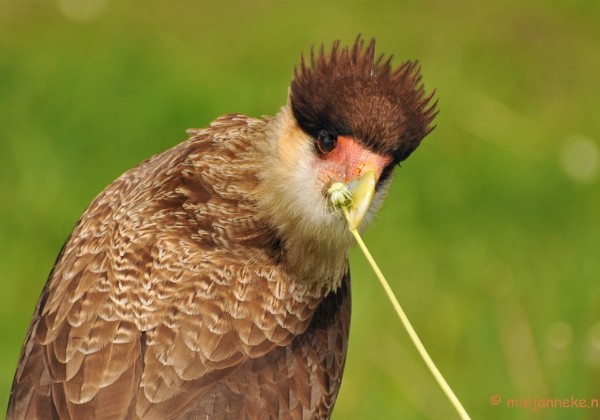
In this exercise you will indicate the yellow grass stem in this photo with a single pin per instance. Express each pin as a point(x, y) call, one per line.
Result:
point(409, 328)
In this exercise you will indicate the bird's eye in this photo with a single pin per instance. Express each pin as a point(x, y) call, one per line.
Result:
point(326, 142)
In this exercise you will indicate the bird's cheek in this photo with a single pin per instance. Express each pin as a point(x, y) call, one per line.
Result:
point(331, 170)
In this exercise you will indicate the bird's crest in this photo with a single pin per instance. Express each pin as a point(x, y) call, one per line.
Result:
point(350, 91)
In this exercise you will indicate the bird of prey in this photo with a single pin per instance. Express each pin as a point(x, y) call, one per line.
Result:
point(211, 281)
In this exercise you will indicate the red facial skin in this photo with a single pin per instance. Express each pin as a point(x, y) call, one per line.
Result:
point(350, 160)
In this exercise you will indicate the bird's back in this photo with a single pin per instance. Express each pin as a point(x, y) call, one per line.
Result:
point(171, 299)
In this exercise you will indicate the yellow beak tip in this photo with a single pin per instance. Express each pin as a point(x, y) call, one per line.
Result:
point(363, 191)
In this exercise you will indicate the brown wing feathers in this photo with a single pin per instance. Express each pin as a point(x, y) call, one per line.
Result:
point(147, 314)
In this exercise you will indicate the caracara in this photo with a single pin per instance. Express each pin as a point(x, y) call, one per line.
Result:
point(212, 281)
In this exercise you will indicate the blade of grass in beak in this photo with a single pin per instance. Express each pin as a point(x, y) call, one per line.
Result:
point(408, 326)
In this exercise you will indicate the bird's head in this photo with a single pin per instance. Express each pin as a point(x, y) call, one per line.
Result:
point(352, 118)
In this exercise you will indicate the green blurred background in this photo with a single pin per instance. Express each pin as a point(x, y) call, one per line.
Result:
point(491, 233)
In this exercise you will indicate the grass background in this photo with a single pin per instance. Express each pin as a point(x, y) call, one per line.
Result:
point(490, 236)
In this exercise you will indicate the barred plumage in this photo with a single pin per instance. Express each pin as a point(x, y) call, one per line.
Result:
point(210, 281)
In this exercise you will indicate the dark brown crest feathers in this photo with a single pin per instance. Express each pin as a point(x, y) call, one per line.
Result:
point(350, 91)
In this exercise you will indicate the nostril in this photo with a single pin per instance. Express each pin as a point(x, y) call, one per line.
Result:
point(360, 168)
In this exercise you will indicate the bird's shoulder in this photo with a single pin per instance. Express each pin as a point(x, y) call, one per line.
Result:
point(168, 278)
point(230, 122)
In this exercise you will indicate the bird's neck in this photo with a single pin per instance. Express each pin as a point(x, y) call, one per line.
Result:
point(314, 242)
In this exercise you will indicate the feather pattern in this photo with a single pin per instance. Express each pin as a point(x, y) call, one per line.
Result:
point(169, 301)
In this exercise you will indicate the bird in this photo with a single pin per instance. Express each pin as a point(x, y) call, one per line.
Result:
point(212, 280)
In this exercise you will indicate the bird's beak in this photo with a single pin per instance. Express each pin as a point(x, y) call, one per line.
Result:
point(363, 169)
point(363, 191)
